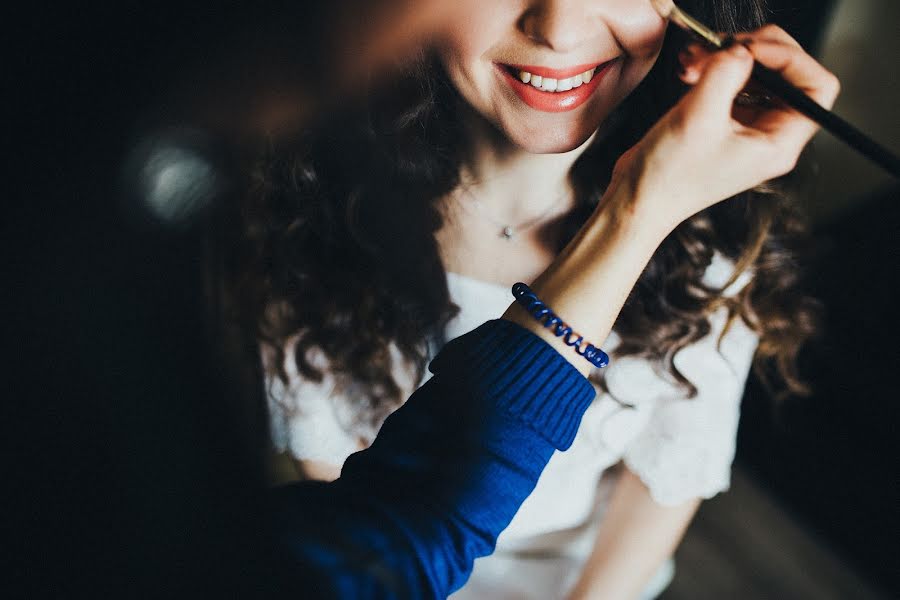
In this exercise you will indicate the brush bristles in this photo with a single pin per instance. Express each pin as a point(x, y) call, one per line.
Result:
point(663, 7)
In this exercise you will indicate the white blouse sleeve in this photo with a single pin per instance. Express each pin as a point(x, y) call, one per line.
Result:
point(316, 420)
point(304, 417)
point(686, 448)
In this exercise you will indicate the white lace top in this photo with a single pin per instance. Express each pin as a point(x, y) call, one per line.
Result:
point(680, 448)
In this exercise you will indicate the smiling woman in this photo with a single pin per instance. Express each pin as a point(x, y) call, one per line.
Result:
point(375, 239)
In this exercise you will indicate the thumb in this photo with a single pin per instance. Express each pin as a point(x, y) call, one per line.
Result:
point(725, 75)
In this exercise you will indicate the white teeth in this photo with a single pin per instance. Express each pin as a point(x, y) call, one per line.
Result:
point(548, 84)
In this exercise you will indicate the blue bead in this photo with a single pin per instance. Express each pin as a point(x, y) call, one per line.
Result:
point(542, 313)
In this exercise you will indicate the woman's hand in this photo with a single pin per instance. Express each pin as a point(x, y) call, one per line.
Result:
point(707, 148)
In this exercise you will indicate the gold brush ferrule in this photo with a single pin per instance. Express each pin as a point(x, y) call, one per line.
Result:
point(698, 29)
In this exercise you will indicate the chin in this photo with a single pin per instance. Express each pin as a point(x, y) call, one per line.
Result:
point(559, 142)
point(549, 133)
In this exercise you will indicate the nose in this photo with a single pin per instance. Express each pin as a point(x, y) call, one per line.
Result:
point(561, 25)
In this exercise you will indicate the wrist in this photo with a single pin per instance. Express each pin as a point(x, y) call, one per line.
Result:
point(628, 223)
point(587, 284)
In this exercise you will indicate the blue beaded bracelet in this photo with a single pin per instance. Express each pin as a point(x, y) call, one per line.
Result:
point(542, 313)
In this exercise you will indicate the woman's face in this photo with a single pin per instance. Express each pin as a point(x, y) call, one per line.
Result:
point(548, 72)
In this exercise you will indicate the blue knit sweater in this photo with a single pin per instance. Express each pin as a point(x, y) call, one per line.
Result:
point(446, 474)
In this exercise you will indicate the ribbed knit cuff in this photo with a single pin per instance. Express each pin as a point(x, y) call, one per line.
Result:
point(509, 366)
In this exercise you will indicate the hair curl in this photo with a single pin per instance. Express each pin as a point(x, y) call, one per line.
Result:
point(340, 254)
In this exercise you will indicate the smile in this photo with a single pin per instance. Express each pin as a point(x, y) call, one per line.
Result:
point(554, 90)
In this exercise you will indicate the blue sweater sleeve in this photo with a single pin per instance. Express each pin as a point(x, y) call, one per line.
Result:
point(446, 474)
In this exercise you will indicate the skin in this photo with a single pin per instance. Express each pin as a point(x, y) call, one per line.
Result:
point(551, 34)
point(521, 157)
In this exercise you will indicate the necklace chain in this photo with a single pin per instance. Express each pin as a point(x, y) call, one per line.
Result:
point(508, 230)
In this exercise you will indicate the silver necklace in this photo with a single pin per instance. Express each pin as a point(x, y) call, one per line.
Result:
point(508, 230)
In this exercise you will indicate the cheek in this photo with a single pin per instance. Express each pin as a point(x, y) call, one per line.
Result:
point(640, 34)
point(465, 44)
point(635, 24)
point(469, 37)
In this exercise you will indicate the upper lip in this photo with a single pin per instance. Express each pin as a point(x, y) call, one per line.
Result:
point(554, 73)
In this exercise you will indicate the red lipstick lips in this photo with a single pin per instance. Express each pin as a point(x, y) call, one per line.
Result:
point(553, 101)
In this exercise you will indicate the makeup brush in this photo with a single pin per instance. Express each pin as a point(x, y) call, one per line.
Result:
point(775, 84)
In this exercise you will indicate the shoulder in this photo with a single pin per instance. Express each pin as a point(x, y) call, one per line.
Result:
point(322, 419)
point(304, 418)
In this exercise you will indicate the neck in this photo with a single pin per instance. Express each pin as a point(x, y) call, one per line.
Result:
point(516, 184)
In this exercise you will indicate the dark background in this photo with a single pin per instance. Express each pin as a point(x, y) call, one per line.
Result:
point(130, 465)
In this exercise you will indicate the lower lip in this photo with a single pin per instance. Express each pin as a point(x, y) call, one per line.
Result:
point(555, 102)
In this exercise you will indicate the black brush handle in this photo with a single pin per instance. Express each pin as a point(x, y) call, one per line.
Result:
point(841, 129)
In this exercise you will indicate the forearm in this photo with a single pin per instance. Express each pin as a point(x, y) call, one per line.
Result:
point(636, 537)
point(445, 475)
point(590, 280)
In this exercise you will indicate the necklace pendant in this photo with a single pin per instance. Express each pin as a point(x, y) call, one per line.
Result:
point(508, 232)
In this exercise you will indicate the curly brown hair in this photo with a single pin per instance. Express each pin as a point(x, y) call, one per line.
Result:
point(339, 251)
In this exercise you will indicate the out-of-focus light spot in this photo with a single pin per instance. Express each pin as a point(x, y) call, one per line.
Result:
point(171, 179)
point(177, 183)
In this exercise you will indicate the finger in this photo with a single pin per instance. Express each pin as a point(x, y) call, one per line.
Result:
point(725, 74)
point(768, 33)
point(694, 56)
point(693, 59)
point(784, 127)
point(798, 68)
point(783, 124)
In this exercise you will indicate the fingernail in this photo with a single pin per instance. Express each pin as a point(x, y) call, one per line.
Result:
point(739, 50)
point(693, 48)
